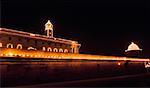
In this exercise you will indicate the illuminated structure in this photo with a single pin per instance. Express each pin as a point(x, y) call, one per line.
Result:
point(8, 52)
point(28, 41)
point(49, 29)
point(133, 50)
point(132, 46)
point(20, 44)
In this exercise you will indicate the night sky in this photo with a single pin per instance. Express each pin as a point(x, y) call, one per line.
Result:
point(101, 26)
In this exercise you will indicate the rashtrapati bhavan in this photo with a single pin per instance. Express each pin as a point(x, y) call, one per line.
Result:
point(28, 41)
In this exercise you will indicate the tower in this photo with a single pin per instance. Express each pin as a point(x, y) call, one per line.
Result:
point(49, 29)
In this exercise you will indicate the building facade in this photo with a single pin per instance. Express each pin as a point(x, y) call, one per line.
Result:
point(28, 41)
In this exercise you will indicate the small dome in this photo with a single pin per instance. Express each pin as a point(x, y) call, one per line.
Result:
point(48, 25)
point(133, 46)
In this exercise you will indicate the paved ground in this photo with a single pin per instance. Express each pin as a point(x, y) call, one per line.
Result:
point(138, 80)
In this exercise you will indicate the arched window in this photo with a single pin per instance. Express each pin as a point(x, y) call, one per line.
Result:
point(9, 45)
point(66, 51)
point(49, 49)
point(44, 49)
point(31, 48)
point(1, 45)
point(60, 50)
point(19, 46)
point(55, 50)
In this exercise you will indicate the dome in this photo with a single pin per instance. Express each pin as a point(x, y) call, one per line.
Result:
point(133, 46)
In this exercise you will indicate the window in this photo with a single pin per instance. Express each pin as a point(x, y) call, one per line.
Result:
point(31, 48)
point(44, 49)
point(35, 42)
point(49, 43)
point(60, 50)
point(1, 44)
point(19, 46)
point(9, 38)
point(55, 50)
point(9, 45)
point(66, 51)
point(28, 40)
point(19, 39)
point(49, 49)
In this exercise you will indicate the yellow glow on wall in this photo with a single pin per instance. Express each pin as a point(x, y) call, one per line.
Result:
point(8, 52)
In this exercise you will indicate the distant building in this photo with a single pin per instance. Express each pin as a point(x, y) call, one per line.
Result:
point(133, 50)
point(28, 41)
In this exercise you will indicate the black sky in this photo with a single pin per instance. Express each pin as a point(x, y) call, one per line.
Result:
point(101, 26)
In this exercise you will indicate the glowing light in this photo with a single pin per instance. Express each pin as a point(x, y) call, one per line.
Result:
point(124, 59)
point(35, 56)
point(147, 64)
point(19, 46)
point(1, 44)
point(32, 34)
point(133, 46)
point(9, 45)
point(60, 50)
point(55, 50)
point(31, 48)
point(66, 51)
point(15, 54)
point(10, 54)
point(31, 55)
point(1, 54)
point(4, 52)
point(23, 55)
point(44, 49)
point(39, 55)
point(119, 63)
point(49, 49)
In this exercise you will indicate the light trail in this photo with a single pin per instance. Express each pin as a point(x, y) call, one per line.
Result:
point(7, 52)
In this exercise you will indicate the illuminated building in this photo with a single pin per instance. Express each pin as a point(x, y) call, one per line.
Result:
point(29, 41)
point(133, 50)
point(27, 45)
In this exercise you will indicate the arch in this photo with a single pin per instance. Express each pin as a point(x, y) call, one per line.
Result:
point(60, 50)
point(19, 46)
point(9, 45)
point(43, 48)
point(1, 45)
point(49, 49)
point(55, 50)
point(31, 48)
point(66, 51)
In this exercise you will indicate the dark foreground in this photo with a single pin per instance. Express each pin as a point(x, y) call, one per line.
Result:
point(94, 73)
point(138, 80)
